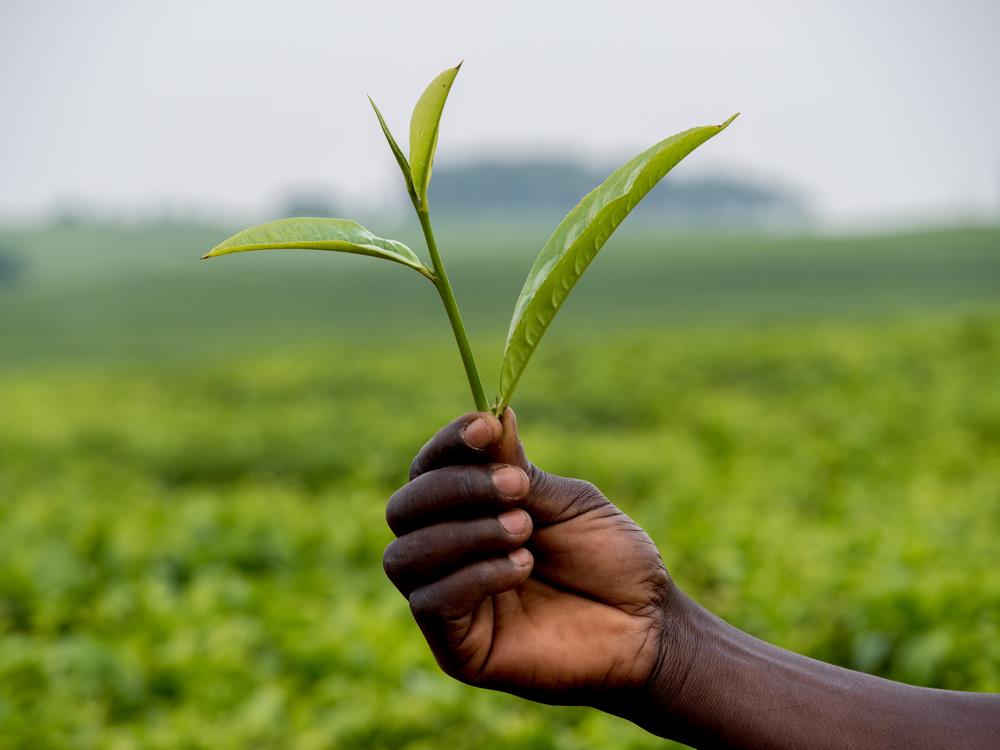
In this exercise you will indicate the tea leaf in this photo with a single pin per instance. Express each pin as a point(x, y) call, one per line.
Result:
point(404, 166)
point(424, 130)
point(576, 241)
point(340, 235)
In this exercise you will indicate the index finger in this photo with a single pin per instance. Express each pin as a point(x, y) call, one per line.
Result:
point(465, 440)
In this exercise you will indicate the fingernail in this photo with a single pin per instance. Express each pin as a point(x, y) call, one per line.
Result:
point(514, 521)
point(520, 557)
point(510, 481)
point(477, 433)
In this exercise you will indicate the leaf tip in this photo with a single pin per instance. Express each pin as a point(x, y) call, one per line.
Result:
point(726, 124)
point(207, 255)
point(459, 66)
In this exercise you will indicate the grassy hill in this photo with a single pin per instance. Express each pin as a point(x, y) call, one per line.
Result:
point(89, 293)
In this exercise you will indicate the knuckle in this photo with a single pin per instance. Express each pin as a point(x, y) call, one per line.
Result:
point(392, 562)
point(416, 467)
point(423, 603)
point(393, 510)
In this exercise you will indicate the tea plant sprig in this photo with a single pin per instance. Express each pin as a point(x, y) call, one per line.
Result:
point(561, 262)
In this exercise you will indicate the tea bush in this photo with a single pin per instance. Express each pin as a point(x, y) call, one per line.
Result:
point(191, 551)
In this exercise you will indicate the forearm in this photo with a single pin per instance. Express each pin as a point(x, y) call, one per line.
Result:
point(719, 687)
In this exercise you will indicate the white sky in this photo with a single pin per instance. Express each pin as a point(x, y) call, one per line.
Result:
point(877, 110)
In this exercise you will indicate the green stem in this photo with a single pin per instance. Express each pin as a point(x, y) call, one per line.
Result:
point(451, 307)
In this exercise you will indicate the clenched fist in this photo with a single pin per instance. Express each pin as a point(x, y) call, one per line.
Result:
point(521, 580)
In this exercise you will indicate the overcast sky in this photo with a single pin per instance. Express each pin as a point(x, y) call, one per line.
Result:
point(875, 109)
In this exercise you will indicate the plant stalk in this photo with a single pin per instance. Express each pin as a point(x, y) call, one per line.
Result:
point(443, 286)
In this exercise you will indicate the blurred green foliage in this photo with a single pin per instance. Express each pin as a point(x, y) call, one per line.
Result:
point(94, 293)
point(190, 545)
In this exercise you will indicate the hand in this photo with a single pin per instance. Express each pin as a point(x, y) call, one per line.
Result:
point(521, 580)
point(537, 585)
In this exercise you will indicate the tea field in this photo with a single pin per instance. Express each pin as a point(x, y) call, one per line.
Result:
point(194, 466)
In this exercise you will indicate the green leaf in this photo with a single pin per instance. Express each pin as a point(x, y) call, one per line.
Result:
point(339, 235)
point(424, 130)
point(576, 241)
point(404, 166)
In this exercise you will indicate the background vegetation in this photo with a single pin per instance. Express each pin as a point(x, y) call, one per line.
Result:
point(194, 460)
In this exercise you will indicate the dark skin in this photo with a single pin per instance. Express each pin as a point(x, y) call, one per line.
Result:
point(537, 585)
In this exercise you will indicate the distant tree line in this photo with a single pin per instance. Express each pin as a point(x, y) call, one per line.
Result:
point(10, 267)
point(309, 202)
point(544, 188)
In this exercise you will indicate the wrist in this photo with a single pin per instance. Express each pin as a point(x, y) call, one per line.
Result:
point(674, 682)
point(659, 703)
point(682, 649)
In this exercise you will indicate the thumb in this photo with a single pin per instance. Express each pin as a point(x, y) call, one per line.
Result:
point(510, 450)
point(551, 498)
